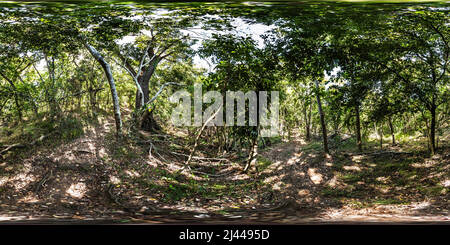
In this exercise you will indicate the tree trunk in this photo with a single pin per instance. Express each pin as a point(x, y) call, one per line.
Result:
point(253, 152)
point(391, 127)
point(115, 98)
point(433, 129)
point(336, 123)
point(144, 82)
point(198, 136)
point(380, 132)
point(322, 120)
point(15, 93)
point(148, 123)
point(358, 128)
point(307, 122)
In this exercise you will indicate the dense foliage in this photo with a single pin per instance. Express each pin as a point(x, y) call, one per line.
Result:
point(357, 70)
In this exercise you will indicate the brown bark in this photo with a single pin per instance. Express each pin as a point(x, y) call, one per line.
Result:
point(391, 127)
point(380, 132)
point(358, 128)
point(307, 116)
point(322, 120)
point(433, 129)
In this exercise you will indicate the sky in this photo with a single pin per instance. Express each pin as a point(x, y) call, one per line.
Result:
point(241, 28)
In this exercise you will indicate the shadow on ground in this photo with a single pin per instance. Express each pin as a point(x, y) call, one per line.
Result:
point(95, 179)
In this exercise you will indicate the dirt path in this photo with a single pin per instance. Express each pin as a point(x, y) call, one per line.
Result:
point(72, 184)
point(303, 174)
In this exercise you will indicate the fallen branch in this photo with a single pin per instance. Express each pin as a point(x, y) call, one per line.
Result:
point(212, 175)
point(199, 134)
point(42, 182)
point(201, 158)
point(9, 147)
point(19, 145)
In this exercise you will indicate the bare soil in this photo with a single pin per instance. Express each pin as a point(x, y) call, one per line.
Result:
point(142, 179)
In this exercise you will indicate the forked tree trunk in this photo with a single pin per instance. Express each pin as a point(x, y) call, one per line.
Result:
point(147, 121)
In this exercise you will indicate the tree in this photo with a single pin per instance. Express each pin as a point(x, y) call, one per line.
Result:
point(165, 42)
point(305, 53)
point(416, 53)
point(242, 66)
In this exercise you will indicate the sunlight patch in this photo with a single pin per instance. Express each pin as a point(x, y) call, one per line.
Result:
point(426, 164)
point(132, 173)
point(3, 181)
point(91, 147)
point(382, 179)
point(277, 186)
point(270, 179)
point(22, 180)
point(102, 152)
point(421, 205)
point(352, 168)
point(384, 189)
point(357, 158)
point(114, 180)
point(303, 192)
point(77, 190)
point(333, 182)
point(29, 199)
point(315, 177)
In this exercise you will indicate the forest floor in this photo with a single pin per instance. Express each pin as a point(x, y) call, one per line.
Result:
point(92, 178)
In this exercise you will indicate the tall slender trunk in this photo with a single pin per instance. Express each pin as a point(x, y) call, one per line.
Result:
point(253, 152)
point(358, 128)
point(322, 119)
point(433, 129)
point(307, 121)
point(380, 133)
point(391, 127)
point(336, 123)
point(115, 98)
